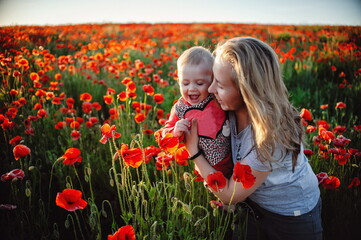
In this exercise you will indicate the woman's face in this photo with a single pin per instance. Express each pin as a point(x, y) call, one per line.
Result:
point(224, 88)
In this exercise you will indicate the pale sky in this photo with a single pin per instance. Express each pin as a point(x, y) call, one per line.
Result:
point(60, 12)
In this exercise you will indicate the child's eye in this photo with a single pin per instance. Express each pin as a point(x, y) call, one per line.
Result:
point(185, 83)
point(200, 84)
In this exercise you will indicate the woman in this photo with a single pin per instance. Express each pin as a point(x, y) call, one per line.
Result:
point(267, 135)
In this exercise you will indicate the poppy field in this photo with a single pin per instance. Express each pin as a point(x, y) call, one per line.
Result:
point(80, 106)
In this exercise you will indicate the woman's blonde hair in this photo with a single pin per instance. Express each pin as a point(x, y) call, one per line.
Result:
point(256, 71)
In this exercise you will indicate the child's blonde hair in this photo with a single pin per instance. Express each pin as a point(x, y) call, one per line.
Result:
point(195, 56)
point(256, 71)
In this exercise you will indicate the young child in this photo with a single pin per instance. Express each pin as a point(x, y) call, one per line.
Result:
point(194, 77)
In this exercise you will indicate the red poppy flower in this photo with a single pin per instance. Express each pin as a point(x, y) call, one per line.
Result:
point(49, 95)
point(340, 141)
point(148, 132)
point(340, 105)
point(131, 86)
point(323, 124)
point(215, 204)
point(357, 127)
point(310, 129)
point(42, 113)
point(353, 151)
point(34, 76)
point(331, 182)
point(70, 102)
point(148, 89)
point(60, 125)
point(158, 98)
point(342, 159)
point(140, 117)
point(150, 152)
point(339, 129)
point(29, 131)
point(169, 143)
point(216, 181)
point(243, 173)
point(308, 152)
point(74, 124)
point(87, 97)
point(108, 99)
point(86, 107)
point(160, 113)
point(181, 156)
point(326, 135)
point(71, 156)
point(322, 176)
point(20, 151)
point(96, 106)
point(163, 160)
point(126, 80)
point(16, 73)
point(57, 76)
point(132, 157)
point(22, 101)
point(89, 124)
point(111, 91)
point(131, 95)
point(16, 173)
point(324, 106)
point(75, 135)
point(70, 199)
point(56, 101)
point(13, 92)
point(122, 96)
point(306, 114)
point(15, 140)
point(354, 183)
point(135, 104)
point(108, 132)
point(123, 233)
point(113, 113)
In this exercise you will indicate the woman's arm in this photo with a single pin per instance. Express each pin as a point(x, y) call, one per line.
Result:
point(234, 191)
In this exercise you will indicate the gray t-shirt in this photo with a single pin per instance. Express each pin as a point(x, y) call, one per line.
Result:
point(284, 192)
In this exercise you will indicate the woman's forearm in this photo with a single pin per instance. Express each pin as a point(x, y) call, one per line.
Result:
point(233, 192)
point(203, 166)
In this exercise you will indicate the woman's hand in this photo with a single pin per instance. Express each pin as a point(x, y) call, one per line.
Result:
point(191, 138)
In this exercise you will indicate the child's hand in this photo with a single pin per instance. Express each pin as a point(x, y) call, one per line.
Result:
point(180, 127)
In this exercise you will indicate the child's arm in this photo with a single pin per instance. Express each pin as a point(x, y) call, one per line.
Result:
point(170, 123)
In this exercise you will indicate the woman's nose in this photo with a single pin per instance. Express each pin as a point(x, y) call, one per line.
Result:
point(211, 88)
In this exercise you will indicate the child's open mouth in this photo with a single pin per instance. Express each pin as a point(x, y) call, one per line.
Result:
point(194, 98)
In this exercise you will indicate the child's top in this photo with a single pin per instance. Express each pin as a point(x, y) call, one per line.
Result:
point(213, 130)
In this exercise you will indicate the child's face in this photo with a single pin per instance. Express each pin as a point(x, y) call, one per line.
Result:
point(194, 81)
